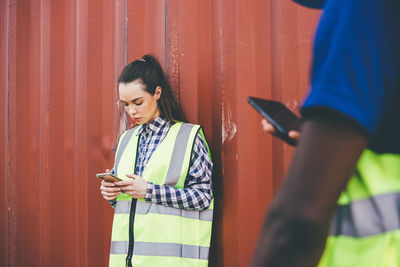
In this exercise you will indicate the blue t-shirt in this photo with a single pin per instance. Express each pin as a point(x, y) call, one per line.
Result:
point(356, 67)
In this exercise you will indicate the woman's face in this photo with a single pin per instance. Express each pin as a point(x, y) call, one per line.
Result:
point(141, 106)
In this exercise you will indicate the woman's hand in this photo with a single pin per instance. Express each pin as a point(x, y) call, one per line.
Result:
point(109, 190)
point(136, 187)
point(269, 128)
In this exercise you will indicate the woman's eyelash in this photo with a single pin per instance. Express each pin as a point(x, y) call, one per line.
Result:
point(133, 102)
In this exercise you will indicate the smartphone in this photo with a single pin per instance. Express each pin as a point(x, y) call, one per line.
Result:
point(108, 177)
point(283, 119)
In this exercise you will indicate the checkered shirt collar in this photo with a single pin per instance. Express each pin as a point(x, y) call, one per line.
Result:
point(155, 126)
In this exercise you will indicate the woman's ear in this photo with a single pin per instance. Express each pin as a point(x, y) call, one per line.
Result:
point(157, 93)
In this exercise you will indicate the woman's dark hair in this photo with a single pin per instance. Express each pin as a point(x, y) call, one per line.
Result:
point(149, 71)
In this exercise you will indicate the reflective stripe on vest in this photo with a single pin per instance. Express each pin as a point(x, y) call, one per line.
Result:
point(366, 227)
point(161, 249)
point(366, 217)
point(121, 147)
point(163, 235)
point(148, 207)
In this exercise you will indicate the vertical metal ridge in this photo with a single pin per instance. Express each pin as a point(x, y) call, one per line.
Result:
point(4, 111)
point(166, 34)
point(120, 55)
point(125, 31)
point(171, 48)
point(80, 130)
point(11, 131)
point(276, 84)
point(44, 131)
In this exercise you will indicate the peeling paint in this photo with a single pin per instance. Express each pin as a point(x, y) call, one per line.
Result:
point(228, 127)
point(172, 56)
point(293, 104)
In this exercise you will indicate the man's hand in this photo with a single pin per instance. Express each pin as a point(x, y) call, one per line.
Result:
point(269, 128)
point(136, 187)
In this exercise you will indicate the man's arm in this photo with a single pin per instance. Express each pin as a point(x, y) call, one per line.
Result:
point(297, 223)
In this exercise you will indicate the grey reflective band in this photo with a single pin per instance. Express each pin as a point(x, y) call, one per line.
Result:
point(202, 215)
point(124, 142)
point(119, 247)
point(178, 154)
point(161, 249)
point(367, 217)
point(123, 206)
point(149, 207)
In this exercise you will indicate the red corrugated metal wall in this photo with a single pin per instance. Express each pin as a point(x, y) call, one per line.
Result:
point(59, 63)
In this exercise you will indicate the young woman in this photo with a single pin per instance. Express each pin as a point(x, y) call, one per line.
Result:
point(163, 208)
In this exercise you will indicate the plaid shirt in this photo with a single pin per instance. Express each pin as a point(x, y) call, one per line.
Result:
point(197, 192)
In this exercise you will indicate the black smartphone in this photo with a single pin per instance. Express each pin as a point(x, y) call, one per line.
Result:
point(283, 119)
point(108, 177)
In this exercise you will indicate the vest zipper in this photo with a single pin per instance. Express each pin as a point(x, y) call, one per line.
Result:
point(131, 236)
point(132, 216)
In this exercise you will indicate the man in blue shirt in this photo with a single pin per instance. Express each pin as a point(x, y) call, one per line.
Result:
point(340, 198)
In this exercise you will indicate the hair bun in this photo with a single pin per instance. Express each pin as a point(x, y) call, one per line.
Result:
point(148, 58)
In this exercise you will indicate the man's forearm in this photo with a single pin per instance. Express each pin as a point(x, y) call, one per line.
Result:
point(298, 220)
point(289, 241)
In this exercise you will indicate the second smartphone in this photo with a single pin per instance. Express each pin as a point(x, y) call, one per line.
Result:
point(282, 118)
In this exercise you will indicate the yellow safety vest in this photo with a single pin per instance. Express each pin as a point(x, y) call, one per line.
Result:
point(149, 234)
point(365, 231)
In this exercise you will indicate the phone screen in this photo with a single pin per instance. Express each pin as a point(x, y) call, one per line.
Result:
point(108, 177)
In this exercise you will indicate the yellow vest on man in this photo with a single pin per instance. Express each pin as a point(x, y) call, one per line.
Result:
point(149, 234)
point(365, 230)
